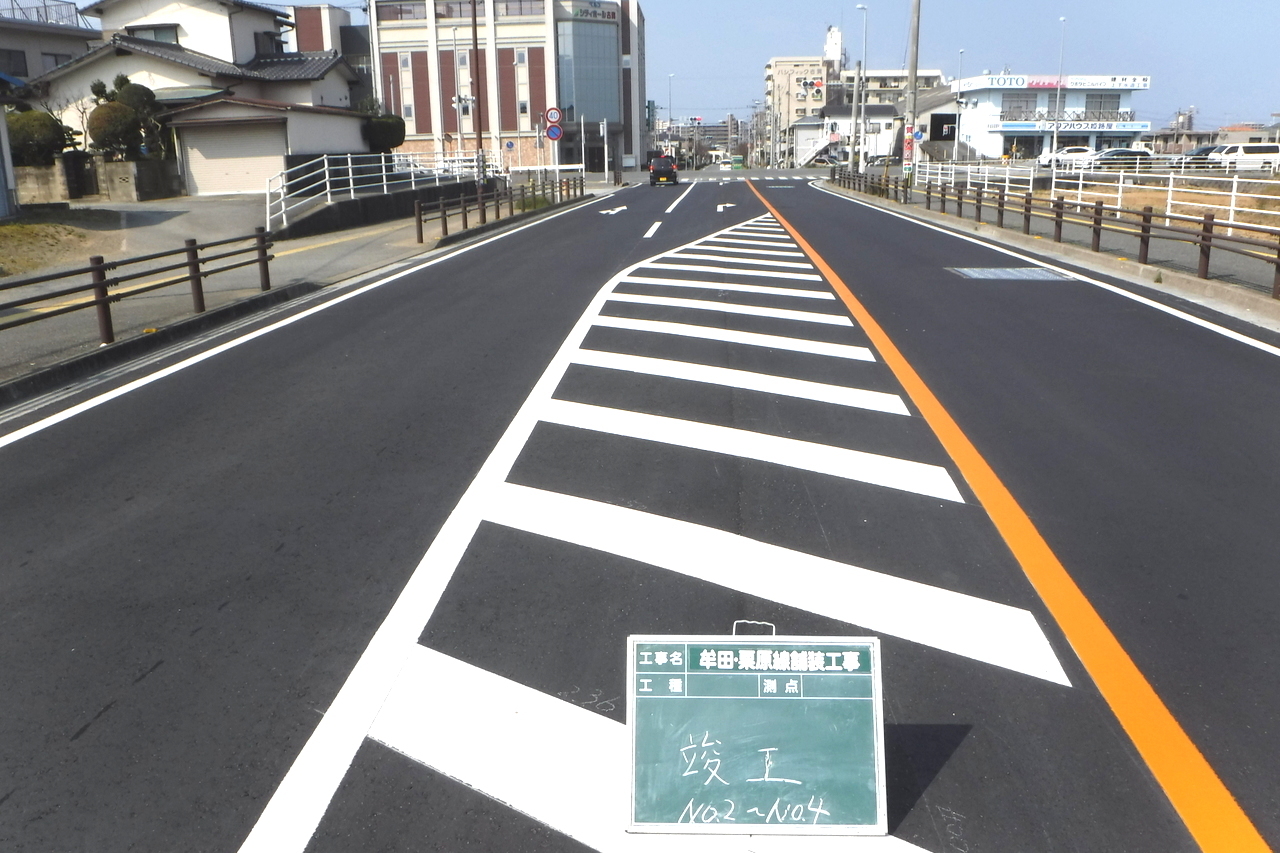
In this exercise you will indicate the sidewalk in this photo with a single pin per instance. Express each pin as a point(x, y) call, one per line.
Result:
point(299, 266)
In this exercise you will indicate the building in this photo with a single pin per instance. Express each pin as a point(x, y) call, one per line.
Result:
point(1017, 114)
point(888, 87)
point(585, 57)
point(252, 104)
point(39, 35)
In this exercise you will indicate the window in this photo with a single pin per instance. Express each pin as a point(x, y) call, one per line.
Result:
point(458, 9)
point(522, 57)
point(463, 58)
point(14, 62)
point(159, 32)
point(404, 61)
point(1101, 103)
point(1017, 102)
point(51, 61)
point(406, 10)
point(523, 108)
point(465, 106)
point(516, 8)
point(408, 111)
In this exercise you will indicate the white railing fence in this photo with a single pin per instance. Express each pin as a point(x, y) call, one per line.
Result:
point(335, 176)
point(1232, 198)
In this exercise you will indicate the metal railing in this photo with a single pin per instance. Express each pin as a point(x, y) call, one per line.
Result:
point(1067, 115)
point(319, 181)
point(1014, 178)
point(107, 282)
point(1258, 242)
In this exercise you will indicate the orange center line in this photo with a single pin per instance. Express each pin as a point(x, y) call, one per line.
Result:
point(1211, 814)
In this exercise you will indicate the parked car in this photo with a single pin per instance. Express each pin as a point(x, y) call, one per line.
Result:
point(884, 160)
point(726, 165)
point(1128, 159)
point(1249, 155)
point(1070, 156)
point(662, 170)
point(1196, 158)
point(822, 161)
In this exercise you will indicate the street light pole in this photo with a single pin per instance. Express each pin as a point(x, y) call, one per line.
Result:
point(913, 58)
point(1057, 118)
point(860, 88)
point(477, 112)
point(670, 116)
point(955, 155)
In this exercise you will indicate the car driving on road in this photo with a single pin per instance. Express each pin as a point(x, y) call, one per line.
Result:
point(662, 170)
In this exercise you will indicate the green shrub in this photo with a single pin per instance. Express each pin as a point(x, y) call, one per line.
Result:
point(384, 133)
point(35, 137)
point(115, 126)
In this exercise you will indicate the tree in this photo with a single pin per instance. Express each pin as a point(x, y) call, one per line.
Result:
point(114, 126)
point(384, 133)
point(35, 136)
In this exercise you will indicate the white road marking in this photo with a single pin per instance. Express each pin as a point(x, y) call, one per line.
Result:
point(758, 235)
point(661, 327)
point(732, 308)
point(710, 240)
point(798, 276)
point(798, 265)
point(680, 198)
point(1118, 291)
point(872, 468)
point(728, 286)
point(613, 211)
point(840, 395)
point(720, 208)
point(533, 732)
point(652, 229)
point(983, 630)
point(771, 252)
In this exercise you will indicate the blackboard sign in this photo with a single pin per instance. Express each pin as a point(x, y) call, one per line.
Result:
point(756, 735)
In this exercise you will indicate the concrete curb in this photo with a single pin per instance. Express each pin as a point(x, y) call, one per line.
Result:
point(73, 369)
point(1239, 301)
point(518, 219)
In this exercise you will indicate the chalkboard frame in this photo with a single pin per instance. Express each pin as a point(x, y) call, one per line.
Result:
point(642, 772)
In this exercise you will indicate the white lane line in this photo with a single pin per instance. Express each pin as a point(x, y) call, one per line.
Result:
point(770, 252)
point(900, 474)
point(797, 276)
point(731, 336)
point(680, 199)
point(738, 242)
point(732, 308)
point(736, 288)
point(796, 265)
point(983, 630)
point(876, 401)
point(1118, 291)
point(532, 731)
point(652, 229)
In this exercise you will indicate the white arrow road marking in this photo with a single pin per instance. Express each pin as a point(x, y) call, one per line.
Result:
point(613, 211)
point(720, 207)
point(536, 735)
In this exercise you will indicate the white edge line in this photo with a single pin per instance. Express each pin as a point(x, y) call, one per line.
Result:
point(1119, 291)
point(191, 361)
point(680, 198)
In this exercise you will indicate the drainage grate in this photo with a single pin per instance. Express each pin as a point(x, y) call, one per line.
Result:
point(1011, 273)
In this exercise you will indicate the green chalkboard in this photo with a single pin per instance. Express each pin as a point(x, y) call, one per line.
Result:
point(756, 735)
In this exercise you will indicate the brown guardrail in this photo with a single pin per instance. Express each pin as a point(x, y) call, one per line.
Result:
point(523, 196)
point(107, 288)
point(1259, 242)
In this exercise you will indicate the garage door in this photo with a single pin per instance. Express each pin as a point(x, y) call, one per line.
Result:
point(232, 158)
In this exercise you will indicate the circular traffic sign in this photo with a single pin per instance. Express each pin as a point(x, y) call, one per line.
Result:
point(555, 132)
point(554, 115)
point(510, 145)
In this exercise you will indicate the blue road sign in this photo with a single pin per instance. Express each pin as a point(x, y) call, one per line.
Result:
point(554, 132)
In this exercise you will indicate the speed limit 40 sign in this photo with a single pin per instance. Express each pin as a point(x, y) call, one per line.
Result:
point(554, 115)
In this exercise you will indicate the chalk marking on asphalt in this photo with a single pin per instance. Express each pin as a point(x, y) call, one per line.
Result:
point(652, 230)
point(796, 276)
point(1119, 291)
point(1210, 812)
point(840, 395)
point(770, 252)
point(525, 726)
point(763, 262)
point(798, 292)
point(892, 473)
point(732, 308)
point(679, 199)
point(1003, 636)
point(661, 327)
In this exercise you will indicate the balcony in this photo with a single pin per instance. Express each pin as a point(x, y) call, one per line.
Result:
point(1067, 115)
point(42, 12)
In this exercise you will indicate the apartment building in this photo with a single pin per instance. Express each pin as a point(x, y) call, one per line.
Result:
point(585, 57)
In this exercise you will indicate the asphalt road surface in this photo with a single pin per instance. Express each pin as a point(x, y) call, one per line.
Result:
point(359, 575)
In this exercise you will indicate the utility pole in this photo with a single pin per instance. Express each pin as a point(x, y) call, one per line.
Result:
point(913, 58)
point(477, 111)
point(1058, 109)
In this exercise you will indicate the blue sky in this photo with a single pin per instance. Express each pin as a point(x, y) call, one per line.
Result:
point(1217, 55)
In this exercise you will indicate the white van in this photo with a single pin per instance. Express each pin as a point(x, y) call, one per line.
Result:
point(1247, 155)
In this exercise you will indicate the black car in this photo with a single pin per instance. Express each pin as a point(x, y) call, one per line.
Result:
point(1128, 159)
point(662, 170)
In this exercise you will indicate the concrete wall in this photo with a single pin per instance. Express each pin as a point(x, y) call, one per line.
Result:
point(369, 210)
point(315, 133)
point(130, 181)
